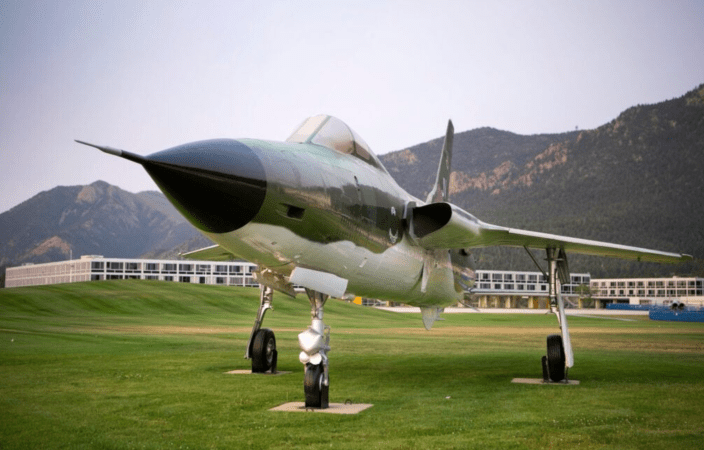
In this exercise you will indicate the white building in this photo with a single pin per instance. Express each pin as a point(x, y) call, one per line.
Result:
point(503, 282)
point(649, 291)
point(518, 289)
point(95, 267)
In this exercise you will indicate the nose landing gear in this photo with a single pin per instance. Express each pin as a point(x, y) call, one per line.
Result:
point(315, 345)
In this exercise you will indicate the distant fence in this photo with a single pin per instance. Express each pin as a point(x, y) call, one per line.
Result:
point(658, 312)
point(685, 315)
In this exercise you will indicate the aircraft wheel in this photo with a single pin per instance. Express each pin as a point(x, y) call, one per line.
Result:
point(556, 358)
point(316, 393)
point(264, 353)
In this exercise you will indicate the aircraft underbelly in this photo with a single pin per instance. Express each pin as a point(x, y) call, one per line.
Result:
point(394, 274)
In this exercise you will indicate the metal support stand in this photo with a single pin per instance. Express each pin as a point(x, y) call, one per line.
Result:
point(266, 295)
point(315, 345)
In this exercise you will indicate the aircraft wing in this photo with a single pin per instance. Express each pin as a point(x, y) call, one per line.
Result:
point(443, 225)
point(531, 239)
point(212, 253)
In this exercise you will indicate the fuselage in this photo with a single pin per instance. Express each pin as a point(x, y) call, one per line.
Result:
point(284, 205)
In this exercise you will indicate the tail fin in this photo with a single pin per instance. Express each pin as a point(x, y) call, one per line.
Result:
point(441, 190)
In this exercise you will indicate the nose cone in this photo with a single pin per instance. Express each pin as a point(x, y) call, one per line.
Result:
point(218, 185)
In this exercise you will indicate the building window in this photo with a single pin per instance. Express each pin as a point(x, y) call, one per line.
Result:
point(115, 267)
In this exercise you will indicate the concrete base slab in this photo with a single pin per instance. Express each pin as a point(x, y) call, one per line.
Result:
point(249, 372)
point(334, 408)
point(541, 381)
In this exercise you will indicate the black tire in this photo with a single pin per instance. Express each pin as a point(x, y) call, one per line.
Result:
point(556, 358)
point(313, 384)
point(263, 351)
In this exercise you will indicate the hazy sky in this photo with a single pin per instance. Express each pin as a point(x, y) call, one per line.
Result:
point(148, 75)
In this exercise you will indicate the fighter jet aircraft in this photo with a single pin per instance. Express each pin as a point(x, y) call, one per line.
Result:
point(320, 211)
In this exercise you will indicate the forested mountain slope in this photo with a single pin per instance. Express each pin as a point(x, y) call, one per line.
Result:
point(636, 180)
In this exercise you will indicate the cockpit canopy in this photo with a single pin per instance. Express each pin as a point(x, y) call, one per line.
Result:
point(334, 134)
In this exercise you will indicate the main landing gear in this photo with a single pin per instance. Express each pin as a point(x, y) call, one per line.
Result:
point(559, 356)
point(261, 348)
point(314, 343)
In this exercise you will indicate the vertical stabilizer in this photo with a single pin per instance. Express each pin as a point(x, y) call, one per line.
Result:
point(441, 190)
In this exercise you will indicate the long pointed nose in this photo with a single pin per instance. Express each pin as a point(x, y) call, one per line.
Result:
point(218, 185)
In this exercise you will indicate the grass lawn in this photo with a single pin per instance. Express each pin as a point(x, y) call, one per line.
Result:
point(139, 364)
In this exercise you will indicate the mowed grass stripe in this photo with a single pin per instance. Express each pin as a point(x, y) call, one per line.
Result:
point(135, 364)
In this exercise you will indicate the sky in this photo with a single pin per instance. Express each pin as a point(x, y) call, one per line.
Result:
point(146, 76)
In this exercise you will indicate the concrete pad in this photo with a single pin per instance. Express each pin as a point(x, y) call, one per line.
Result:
point(541, 381)
point(334, 408)
point(249, 372)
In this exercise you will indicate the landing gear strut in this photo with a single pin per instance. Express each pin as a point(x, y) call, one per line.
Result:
point(559, 356)
point(261, 348)
point(315, 345)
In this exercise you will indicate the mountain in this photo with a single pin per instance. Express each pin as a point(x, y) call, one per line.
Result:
point(636, 180)
point(95, 219)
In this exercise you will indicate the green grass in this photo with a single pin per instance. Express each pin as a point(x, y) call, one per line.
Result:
point(130, 364)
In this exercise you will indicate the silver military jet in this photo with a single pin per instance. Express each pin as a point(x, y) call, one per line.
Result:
point(320, 211)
